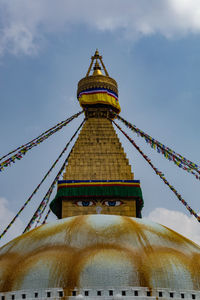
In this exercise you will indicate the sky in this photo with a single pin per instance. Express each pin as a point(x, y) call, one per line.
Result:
point(150, 47)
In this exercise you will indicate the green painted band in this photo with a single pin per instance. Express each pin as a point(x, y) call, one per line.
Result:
point(95, 191)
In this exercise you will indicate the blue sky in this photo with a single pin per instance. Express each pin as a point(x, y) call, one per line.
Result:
point(150, 47)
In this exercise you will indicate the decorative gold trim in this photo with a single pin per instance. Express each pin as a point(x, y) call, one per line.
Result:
point(97, 81)
point(100, 111)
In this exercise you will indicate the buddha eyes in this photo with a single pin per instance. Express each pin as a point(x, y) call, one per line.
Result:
point(87, 203)
point(84, 203)
point(113, 203)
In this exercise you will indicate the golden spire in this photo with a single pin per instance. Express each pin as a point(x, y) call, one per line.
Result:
point(98, 175)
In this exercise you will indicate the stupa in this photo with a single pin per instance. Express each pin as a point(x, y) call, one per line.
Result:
point(100, 248)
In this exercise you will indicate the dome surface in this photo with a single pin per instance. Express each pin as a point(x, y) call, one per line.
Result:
point(100, 250)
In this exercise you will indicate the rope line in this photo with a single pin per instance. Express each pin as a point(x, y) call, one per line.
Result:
point(59, 124)
point(47, 196)
point(168, 153)
point(24, 148)
point(39, 211)
point(161, 175)
point(45, 219)
point(34, 192)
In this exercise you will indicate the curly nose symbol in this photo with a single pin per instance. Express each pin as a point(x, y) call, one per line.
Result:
point(98, 209)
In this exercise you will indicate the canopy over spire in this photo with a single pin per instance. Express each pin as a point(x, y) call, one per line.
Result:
point(98, 88)
point(97, 58)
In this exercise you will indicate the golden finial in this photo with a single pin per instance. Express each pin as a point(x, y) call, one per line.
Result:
point(96, 53)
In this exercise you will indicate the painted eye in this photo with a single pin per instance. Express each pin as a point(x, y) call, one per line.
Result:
point(113, 203)
point(85, 203)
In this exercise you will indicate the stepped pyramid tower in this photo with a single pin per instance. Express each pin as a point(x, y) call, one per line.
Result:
point(100, 248)
point(98, 169)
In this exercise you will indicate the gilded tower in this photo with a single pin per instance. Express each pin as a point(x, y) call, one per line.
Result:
point(98, 177)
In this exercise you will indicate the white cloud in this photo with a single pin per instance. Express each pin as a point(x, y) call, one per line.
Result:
point(6, 215)
point(23, 23)
point(179, 222)
point(18, 39)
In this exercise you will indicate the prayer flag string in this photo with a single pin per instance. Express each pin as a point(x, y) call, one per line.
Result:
point(39, 211)
point(46, 217)
point(24, 148)
point(34, 192)
point(192, 212)
point(168, 153)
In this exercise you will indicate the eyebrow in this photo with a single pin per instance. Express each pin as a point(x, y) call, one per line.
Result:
point(97, 200)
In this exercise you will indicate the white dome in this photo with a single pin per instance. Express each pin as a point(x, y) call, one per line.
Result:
point(100, 250)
